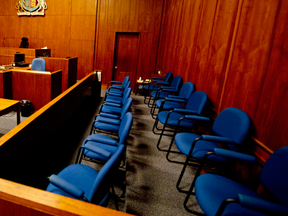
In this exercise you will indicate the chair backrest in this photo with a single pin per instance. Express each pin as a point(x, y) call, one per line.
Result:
point(168, 77)
point(125, 81)
point(274, 175)
point(197, 102)
point(232, 123)
point(186, 90)
point(125, 127)
point(38, 64)
point(104, 179)
point(126, 107)
point(126, 94)
point(177, 83)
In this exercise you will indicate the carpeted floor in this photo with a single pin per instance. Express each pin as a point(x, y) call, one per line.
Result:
point(150, 178)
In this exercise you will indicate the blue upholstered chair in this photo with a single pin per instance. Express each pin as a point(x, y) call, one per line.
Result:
point(117, 86)
point(110, 121)
point(165, 91)
point(157, 82)
point(117, 98)
point(217, 195)
point(176, 118)
point(175, 101)
point(231, 128)
point(112, 108)
point(82, 182)
point(104, 142)
point(38, 64)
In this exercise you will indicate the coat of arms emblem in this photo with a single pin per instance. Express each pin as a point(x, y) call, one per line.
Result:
point(31, 7)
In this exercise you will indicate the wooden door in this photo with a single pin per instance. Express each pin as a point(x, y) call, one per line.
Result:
point(126, 57)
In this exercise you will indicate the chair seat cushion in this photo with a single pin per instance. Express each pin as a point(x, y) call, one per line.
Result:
point(184, 141)
point(212, 189)
point(162, 94)
point(114, 98)
point(80, 175)
point(169, 105)
point(106, 127)
point(173, 119)
point(110, 109)
point(95, 156)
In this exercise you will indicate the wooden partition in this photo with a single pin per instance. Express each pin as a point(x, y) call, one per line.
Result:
point(6, 84)
point(28, 52)
point(68, 67)
point(39, 87)
point(42, 145)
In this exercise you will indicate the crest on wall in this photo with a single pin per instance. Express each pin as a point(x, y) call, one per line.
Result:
point(31, 7)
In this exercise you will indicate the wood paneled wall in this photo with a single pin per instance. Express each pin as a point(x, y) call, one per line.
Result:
point(143, 17)
point(235, 51)
point(68, 29)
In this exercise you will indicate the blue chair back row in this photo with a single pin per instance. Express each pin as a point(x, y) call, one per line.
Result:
point(232, 123)
point(186, 90)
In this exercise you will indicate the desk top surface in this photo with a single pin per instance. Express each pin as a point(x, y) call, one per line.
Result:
point(6, 103)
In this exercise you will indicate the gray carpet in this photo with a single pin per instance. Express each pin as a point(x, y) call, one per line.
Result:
point(8, 122)
point(150, 178)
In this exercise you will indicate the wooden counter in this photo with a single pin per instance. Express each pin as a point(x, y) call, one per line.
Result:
point(37, 86)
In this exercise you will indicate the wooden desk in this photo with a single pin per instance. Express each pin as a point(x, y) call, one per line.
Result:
point(6, 106)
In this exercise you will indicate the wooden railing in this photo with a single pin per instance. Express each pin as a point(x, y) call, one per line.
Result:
point(34, 150)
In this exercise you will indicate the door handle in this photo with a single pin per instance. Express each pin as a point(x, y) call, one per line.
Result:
point(116, 67)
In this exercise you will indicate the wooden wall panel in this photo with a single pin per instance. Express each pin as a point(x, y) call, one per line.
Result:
point(250, 56)
point(169, 34)
point(271, 120)
point(143, 17)
point(205, 27)
point(219, 48)
point(237, 54)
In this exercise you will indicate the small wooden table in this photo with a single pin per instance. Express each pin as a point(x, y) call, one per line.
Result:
point(7, 105)
point(138, 83)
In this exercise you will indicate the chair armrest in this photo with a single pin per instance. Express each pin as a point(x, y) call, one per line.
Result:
point(117, 87)
point(115, 82)
point(185, 111)
point(175, 100)
point(218, 139)
point(176, 96)
point(108, 115)
point(160, 78)
point(66, 186)
point(98, 150)
point(170, 89)
point(234, 155)
point(102, 140)
point(108, 121)
point(262, 205)
point(197, 118)
point(162, 82)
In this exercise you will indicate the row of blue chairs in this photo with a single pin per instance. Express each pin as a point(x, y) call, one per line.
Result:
point(80, 181)
point(180, 111)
